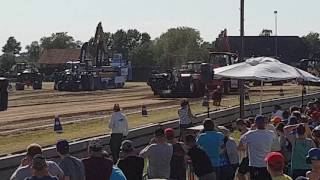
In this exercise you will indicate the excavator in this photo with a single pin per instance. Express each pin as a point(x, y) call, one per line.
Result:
point(94, 70)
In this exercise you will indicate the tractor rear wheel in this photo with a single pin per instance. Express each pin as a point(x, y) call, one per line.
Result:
point(19, 86)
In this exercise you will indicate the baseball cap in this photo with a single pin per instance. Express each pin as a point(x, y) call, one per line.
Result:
point(259, 119)
point(62, 145)
point(275, 160)
point(127, 146)
point(276, 119)
point(169, 132)
point(313, 154)
point(39, 162)
point(95, 145)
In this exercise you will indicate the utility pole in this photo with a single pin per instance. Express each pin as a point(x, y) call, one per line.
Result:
point(276, 32)
point(241, 55)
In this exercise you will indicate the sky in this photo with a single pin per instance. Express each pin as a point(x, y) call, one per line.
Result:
point(29, 20)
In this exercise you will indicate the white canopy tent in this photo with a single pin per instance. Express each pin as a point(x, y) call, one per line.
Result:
point(264, 69)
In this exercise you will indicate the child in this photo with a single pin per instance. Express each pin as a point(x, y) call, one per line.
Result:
point(275, 166)
point(313, 158)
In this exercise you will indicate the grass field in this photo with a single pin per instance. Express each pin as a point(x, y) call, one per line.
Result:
point(17, 142)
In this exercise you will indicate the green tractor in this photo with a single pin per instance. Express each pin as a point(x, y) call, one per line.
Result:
point(26, 75)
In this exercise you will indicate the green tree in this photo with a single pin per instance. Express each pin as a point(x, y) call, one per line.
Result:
point(312, 41)
point(7, 61)
point(120, 43)
point(177, 46)
point(60, 40)
point(33, 51)
point(12, 46)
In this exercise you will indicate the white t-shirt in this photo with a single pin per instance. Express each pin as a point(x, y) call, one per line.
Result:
point(259, 143)
point(276, 142)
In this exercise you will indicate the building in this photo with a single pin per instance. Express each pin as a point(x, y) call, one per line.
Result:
point(52, 59)
point(291, 49)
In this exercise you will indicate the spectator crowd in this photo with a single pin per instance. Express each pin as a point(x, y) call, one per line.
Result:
point(282, 146)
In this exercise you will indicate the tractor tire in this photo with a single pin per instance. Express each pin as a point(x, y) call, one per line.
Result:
point(91, 83)
point(60, 86)
point(19, 86)
point(37, 85)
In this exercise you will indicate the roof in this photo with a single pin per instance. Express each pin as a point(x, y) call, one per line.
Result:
point(59, 56)
point(290, 48)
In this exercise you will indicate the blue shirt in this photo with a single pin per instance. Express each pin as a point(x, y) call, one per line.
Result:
point(117, 174)
point(211, 142)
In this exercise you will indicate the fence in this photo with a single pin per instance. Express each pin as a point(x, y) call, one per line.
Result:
point(142, 135)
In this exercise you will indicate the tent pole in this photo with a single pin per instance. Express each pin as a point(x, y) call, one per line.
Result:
point(261, 91)
point(241, 55)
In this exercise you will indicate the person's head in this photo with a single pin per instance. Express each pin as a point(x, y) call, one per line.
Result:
point(316, 132)
point(276, 120)
point(169, 133)
point(294, 108)
point(241, 124)
point(116, 108)
point(184, 102)
point(313, 158)
point(250, 121)
point(292, 120)
point(275, 163)
point(208, 125)
point(315, 116)
point(285, 114)
point(95, 147)
point(159, 135)
point(33, 149)
point(296, 114)
point(260, 122)
point(190, 141)
point(277, 107)
point(127, 146)
point(39, 165)
point(62, 147)
point(301, 130)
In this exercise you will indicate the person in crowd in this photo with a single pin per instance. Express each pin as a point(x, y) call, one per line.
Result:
point(258, 143)
point(211, 141)
point(130, 163)
point(177, 164)
point(298, 115)
point(315, 119)
point(199, 160)
point(243, 127)
point(96, 165)
point(185, 117)
point(292, 120)
point(300, 147)
point(119, 129)
point(40, 169)
point(117, 174)
point(285, 116)
point(229, 158)
point(25, 168)
point(159, 154)
point(277, 111)
point(316, 136)
point(72, 167)
point(284, 144)
point(313, 158)
point(276, 142)
point(275, 166)
point(294, 108)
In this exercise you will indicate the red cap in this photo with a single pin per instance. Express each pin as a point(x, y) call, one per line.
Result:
point(169, 132)
point(275, 160)
point(276, 120)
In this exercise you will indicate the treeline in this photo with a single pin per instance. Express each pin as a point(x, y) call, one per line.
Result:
point(172, 49)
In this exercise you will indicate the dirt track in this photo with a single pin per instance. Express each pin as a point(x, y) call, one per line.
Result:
point(29, 108)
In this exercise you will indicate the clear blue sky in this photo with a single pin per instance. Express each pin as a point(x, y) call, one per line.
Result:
point(29, 20)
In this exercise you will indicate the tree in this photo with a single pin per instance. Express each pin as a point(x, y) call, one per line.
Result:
point(266, 32)
point(7, 61)
point(60, 40)
point(120, 43)
point(33, 51)
point(312, 41)
point(177, 46)
point(12, 46)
